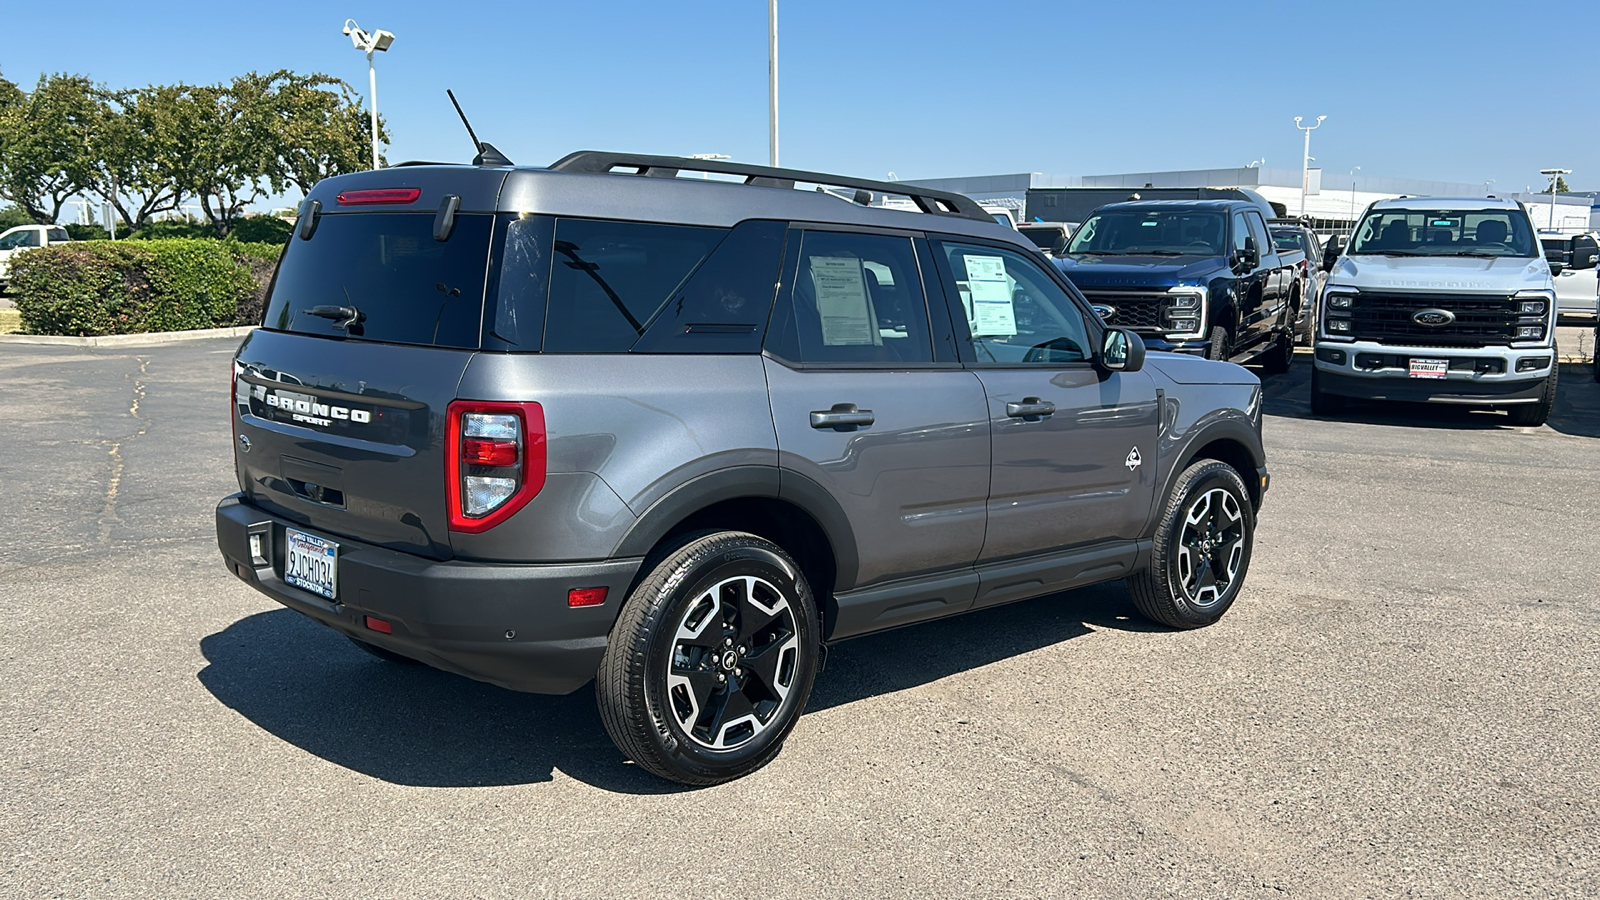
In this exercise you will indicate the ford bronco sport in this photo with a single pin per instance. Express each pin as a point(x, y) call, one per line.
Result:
point(676, 435)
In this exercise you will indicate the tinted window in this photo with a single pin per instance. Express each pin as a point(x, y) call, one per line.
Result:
point(20, 239)
point(1014, 311)
point(1258, 230)
point(1240, 232)
point(1043, 238)
point(59, 234)
point(404, 286)
point(1288, 240)
point(1136, 230)
point(857, 298)
point(1451, 232)
point(523, 268)
point(608, 279)
point(724, 306)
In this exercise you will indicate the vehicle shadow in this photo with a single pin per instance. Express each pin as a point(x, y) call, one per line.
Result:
point(1576, 411)
point(417, 726)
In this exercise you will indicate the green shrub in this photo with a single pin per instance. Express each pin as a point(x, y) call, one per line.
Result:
point(128, 287)
point(262, 230)
point(87, 232)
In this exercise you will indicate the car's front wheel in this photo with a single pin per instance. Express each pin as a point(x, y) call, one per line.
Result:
point(1202, 549)
point(1537, 413)
point(711, 660)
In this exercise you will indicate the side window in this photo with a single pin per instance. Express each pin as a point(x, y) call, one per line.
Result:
point(1240, 232)
point(856, 298)
point(723, 307)
point(33, 239)
point(1015, 312)
point(609, 279)
point(1258, 230)
point(59, 235)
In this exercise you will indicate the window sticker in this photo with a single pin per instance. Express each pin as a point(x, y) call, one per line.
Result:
point(843, 303)
point(992, 314)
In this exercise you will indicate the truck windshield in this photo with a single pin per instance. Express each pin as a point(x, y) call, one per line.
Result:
point(1452, 232)
point(1175, 232)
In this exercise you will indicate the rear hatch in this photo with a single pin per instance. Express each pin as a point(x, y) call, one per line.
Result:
point(341, 396)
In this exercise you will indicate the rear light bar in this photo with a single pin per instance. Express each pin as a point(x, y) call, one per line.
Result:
point(494, 461)
point(379, 196)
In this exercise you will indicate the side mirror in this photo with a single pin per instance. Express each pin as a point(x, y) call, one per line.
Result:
point(1331, 251)
point(1121, 351)
point(1585, 253)
point(1556, 269)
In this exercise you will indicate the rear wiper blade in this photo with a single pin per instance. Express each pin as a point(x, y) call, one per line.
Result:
point(343, 316)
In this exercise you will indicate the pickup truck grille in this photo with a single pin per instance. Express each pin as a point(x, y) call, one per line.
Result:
point(1386, 319)
point(1131, 309)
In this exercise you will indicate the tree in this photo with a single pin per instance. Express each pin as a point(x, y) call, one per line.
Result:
point(44, 143)
point(136, 151)
point(319, 126)
point(1561, 185)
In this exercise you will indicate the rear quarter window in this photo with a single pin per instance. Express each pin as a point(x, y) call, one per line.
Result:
point(402, 286)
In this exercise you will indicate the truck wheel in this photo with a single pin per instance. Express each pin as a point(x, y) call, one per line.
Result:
point(711, 660)
point(1202, 549)
point(1277, 360)
point(1532, 414)
point(1323, 403)
point(1220, 347)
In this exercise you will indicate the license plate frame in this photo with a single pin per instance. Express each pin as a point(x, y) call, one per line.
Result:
point(1425, 367)
point(311, 563)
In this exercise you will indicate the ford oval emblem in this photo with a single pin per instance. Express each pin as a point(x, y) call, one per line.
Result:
point(1104, 312)
point(1433, 318)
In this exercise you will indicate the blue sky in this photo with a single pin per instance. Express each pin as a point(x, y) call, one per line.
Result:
point(1460, 91)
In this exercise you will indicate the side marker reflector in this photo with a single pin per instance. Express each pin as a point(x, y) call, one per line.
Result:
point(586, 596)
point(379, 625)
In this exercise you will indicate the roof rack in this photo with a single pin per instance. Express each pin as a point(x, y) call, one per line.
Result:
point(944, 203)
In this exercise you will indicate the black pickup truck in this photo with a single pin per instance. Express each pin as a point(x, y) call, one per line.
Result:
point(1190, 276)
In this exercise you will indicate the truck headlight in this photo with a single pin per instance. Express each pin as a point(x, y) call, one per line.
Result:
point(1530, 332)
point(1339, 325)
point(1531, 307)
point(1340, 301)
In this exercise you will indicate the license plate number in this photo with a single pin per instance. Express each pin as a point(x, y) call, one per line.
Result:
point(1430, 368)
point(311, 563)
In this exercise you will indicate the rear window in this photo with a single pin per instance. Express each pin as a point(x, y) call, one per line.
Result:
point(1288, 240)
point(382, 277)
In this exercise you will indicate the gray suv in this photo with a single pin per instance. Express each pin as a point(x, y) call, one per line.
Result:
point(677, 435)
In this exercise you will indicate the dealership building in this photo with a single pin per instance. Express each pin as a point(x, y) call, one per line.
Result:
point(1332, 201)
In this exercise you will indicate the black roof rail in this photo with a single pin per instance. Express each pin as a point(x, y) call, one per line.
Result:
point(943, 203)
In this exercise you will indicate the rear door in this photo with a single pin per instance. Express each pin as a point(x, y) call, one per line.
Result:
point(341, 395)
point(1074, 447)
point(896, 435)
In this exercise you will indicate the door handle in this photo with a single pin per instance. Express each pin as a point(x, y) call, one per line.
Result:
point(1031, 408)
point(842, 417)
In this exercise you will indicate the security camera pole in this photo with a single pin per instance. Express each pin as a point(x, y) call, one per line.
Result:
point(370, 44)
point(1305, 165)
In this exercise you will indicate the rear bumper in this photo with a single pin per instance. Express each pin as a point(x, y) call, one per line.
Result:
point(505, 624)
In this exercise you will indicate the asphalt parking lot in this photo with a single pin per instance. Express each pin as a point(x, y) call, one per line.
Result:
point(1403, 702)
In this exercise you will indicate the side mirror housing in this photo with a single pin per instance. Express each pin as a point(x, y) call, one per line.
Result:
point(1331, 252)
point(1121, 351)
point(1556, 269)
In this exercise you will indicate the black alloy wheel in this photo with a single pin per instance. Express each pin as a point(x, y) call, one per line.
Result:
point(711, 661)
point(1201, 551)
point(1220, 347)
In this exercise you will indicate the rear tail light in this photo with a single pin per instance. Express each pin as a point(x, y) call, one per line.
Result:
point(494, 461)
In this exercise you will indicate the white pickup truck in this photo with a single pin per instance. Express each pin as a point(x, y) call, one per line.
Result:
point(26, 237)
point(1440, 301)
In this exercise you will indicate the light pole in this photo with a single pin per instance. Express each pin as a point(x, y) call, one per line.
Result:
point(1555, 175)
point(370, 44)
point(1353, 199)
point(772, 79)
point(1256, 163)
point(1305, 164)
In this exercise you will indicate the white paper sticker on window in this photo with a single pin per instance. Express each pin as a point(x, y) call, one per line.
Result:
point(992, 315)
point(843, 302)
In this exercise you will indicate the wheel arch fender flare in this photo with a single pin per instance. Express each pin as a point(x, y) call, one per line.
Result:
point(746, 482)
point(1232, 440)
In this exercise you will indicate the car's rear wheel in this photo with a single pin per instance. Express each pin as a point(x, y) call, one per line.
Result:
point(1202, 549)
point(711, 660)
point(1277, 360)
point(1531, 414)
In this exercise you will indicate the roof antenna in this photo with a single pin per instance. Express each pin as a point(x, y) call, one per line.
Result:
point(487, 154)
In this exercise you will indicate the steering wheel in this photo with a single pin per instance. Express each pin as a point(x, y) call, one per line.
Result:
point(1046, 351)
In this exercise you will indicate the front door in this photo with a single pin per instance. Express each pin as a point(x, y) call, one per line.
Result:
point(1074, 446)
point(863, 409)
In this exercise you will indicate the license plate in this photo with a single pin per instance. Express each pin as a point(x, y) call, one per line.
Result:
point(1430, 368)
point(311, 563)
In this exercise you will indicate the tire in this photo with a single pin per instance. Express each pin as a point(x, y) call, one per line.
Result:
point(1220, 347)
point(1323, 403)
point(1277, 360)
point(1207, 528)
point(1534, 414)
point(711, 660)
point(385, 655)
